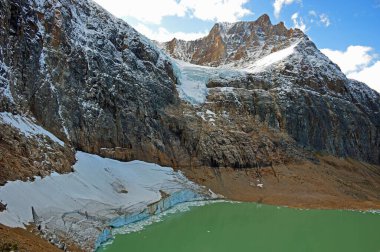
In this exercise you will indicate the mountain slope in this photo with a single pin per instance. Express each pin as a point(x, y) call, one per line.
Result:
point(96, 83)
point(86, 76)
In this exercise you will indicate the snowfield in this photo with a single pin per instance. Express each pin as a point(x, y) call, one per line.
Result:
point(99, 193)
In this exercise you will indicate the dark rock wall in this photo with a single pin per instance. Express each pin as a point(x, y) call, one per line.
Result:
point(86, 76)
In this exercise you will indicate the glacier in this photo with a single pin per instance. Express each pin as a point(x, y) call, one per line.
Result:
point(192, 79)
point(100, 193)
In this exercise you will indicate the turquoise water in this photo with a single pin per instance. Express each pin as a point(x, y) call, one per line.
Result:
point(226, 227)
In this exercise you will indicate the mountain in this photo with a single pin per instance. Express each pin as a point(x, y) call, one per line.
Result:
point(84, 75)
point(304, 93)
point(253, 110)
point(235, 42)
point(101, 87)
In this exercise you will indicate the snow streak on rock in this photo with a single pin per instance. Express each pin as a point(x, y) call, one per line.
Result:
point(27, 126)
point(4, 81)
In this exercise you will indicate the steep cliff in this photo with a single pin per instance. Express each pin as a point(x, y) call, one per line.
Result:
point(86, 76)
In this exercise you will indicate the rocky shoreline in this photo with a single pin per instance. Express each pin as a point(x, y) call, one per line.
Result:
point(330, 183)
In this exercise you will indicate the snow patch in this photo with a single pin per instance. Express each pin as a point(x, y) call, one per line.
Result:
point(227, 89)
point(207, 116)
point(27, 126)
point(209, 112)
point(261, 64)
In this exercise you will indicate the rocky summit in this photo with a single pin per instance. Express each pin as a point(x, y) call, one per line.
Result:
point(248, 95)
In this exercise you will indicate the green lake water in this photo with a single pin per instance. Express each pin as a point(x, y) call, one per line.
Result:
point(235, 227)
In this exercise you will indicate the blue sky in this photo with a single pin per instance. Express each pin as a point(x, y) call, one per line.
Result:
point(346, 31)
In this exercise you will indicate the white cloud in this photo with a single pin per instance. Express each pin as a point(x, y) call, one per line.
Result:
point(321, 19)
point(325, 20)
point(217, 10)
point(313, 13)
point(278, 4)
point(357, 62)
point(163, 35)
point(298, 22)
point(369, 75)
point(354, 59)
point(143, 10)
point(152, 11)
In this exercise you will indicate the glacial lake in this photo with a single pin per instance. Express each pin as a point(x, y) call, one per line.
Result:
point(226, 227)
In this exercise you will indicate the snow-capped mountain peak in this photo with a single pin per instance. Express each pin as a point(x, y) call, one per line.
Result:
point(235, 42)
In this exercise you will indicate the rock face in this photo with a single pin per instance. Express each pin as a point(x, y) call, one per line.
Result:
point(86, 76)
point(103, 88)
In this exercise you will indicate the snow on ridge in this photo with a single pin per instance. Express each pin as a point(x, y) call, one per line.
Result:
point(261, 64)
point(226, 26)
point(27, 126)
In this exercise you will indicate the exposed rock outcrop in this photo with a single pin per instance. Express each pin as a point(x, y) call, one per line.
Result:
point(24, 157)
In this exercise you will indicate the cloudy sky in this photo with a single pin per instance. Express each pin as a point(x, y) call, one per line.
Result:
point(347, 31)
